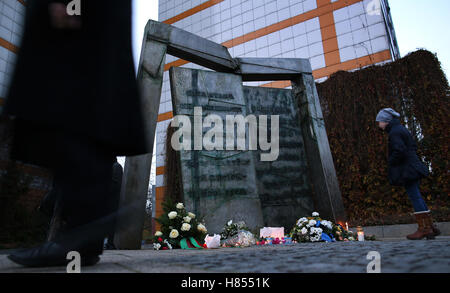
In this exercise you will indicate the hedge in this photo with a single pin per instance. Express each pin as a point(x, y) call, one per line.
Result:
point(417, 88)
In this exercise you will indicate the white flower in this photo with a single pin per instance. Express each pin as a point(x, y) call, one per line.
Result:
point(327, 224)
point(315, 214)
point(317, 231)
point(187, 219)
point(304, 231)
point(185, 227)
point(201, 228)
point(156, 246)
point(173, 215)
point(191, 215)
point(312, 223)
point(230, 222)
point(315, 238)
point(174, 234)
point(180, 206)
point(301, 221)
point(158, 234)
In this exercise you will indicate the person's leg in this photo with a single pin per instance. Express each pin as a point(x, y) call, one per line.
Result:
point(416, 198)
point(114, 201)
point(422, 214)
point(86, 177)
point(83, 172)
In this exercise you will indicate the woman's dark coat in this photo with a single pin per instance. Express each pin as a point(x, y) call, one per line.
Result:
point(76, 82)
point(404, 165)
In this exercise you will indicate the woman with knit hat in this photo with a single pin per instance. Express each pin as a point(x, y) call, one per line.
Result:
point(405, 169)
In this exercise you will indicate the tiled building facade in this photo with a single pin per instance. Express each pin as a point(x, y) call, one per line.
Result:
point(12, 18)
point(12, 14)
point(333, 34)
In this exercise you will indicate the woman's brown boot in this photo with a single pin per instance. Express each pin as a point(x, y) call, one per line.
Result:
point(430, 222)
point(425, 229)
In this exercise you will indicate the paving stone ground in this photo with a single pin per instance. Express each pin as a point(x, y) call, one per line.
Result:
point(397, 256)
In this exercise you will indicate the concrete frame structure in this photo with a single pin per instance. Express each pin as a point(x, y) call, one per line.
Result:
point(161, 39)
point(333, 34)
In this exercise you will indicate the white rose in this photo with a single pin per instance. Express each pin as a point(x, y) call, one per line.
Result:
point(173, 215)
point(315, 214)
point(174, 234)
point(230, 222)
point(180, 206)
point(201, 228)
point(312, 223)
point(185, 227)
point(187, 219)
point(304, 231)
point(191, 215)
point(158, 234)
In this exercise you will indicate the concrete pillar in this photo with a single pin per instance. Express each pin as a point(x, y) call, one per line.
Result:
point(327, 195)
point(136, 175)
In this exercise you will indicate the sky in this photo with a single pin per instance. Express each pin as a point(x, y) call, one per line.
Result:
point(143, 10)
point(417, 23)
point(423, 24)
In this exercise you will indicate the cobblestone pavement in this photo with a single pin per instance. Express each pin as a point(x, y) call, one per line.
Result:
point(342, 257)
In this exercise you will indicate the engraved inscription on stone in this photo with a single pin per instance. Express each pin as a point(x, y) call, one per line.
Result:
point(217, 185)
point(283, 185)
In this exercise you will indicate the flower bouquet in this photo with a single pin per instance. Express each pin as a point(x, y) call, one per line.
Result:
point(315, 229)
point(179, 229)
point(237, 235)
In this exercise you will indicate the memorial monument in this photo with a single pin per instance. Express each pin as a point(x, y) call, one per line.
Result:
point(302, 178)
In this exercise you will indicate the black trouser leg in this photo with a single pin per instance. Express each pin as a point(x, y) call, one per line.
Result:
point(84, 177)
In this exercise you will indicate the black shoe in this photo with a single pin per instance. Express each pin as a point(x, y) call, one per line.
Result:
point(49, 254)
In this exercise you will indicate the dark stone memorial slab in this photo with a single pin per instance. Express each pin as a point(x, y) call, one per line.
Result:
point(283, 185)
point(218, 185)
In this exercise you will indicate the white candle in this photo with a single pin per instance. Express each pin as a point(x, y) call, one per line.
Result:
point(360, 236)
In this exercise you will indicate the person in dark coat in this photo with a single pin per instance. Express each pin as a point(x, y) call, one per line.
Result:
point(114, 202)
point(75, 105)
point(405, 169)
